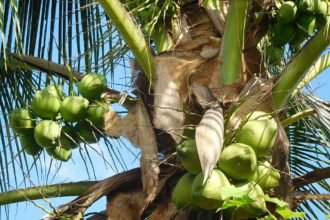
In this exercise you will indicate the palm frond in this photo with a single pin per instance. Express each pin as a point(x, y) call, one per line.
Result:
point(73, 33)
point(310, 146)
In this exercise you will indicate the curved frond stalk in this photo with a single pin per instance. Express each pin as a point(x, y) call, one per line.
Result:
point(311, 177)
point(309, 140)
point(232, 42)
point(296, 69)
point(320, 65)
point(296, 117)
point(132, 35)
point(41, 192)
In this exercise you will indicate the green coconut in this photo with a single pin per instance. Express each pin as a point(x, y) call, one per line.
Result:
point(253, 210)
point(86, 133)
point(96, 112)
point(55, 90)
point(92, 86)
point(71, 134)
point(322, 7)
point(74, 108)
point(307, 5)
point(63, 151)
point(181, 195)
point(29, 144)
point(258, 133)
point(274, 54)
point(188, 156)
point(21, 121)
point(266, 176)
point(238, 161)
point(47, 133)
point(207, 196)
point(312, 6)
point(45, 104)
point(287, 12)
point(282, 33)
point(306, 24)
point(258, 115)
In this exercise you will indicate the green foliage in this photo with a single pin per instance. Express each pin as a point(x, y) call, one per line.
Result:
point(309, 146)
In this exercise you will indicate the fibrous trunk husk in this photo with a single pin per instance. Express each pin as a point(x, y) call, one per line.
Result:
point(195, 61)
point(136, 126)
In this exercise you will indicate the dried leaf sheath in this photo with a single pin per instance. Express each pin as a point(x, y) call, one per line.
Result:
point(209, 139)
point(136, 126)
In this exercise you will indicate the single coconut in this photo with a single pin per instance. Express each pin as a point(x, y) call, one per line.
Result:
point(258, 115)
point(47, 133)
point(307, 5)
point(74, 108)
point(238, 161)
point(312, 6)
point(96, 112)
point(92, 85)
point(181, 195)
point(274, 54)
point(322, 7)
point(253, 210)
point(287, 12)
point(207, 196)
point(306, 25)
point(45, 104)
point(29, 144)
point(21, 121)
point(258, 133)
point(55, 90)
point(266, 176)
point(282, 33)
point(86, 133)
point(63, 151)
point(188, 156)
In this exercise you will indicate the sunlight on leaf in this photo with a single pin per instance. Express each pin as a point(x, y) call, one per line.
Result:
point(276, 201)
point(232, 191)
point(245, 200)
point(286, 213)
point(269, 217)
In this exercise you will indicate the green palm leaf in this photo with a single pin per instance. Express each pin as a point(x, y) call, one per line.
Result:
point(309, 147)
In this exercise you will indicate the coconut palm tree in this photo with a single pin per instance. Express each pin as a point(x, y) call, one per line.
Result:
point(197, 71)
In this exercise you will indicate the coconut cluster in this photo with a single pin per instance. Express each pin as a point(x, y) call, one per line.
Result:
point(59, 123)
point(242, 163)
point(294, 22)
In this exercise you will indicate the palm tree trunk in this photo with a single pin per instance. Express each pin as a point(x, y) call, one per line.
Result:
point(195, 59)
